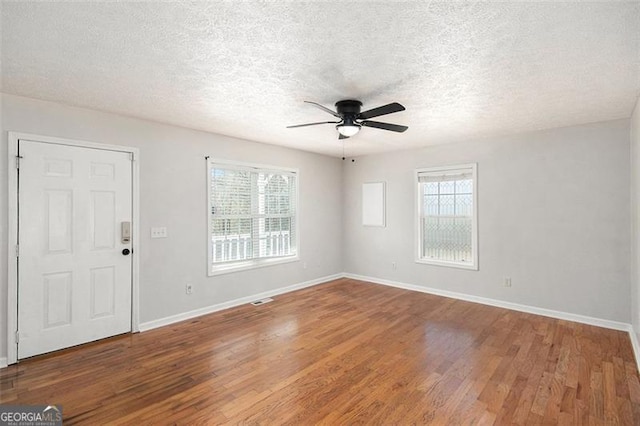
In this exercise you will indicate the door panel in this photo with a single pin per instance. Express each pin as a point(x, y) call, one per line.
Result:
point(103, 290)
point(102, 220)
point(58, 215)
point(57, 299)
point(74, 283)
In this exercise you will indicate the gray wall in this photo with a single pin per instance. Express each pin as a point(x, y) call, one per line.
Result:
point(554, 215)
point(635, 218)
point(173, 194)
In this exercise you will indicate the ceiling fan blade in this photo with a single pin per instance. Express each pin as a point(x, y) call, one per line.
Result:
point(341, 136)
point(313, 124)
point(325, 109)
point(383, 110)
point(385, 126)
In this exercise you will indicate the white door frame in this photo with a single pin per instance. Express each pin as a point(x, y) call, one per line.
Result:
point(12, 269)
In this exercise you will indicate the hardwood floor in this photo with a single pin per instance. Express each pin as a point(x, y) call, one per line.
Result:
point(341, 353)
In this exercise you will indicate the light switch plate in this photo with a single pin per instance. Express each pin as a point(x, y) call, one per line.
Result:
point(159, 232)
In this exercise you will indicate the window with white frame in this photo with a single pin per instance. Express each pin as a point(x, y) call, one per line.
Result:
point(447, 216)
point(252, 216)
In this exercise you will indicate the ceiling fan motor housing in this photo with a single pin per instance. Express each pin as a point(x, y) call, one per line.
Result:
point(348, 107)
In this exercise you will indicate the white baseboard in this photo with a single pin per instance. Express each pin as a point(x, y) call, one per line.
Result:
point(635, 344)
point(615, 325)
point(232, 303)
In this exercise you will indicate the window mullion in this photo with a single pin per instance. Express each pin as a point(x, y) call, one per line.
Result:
point(255, 217)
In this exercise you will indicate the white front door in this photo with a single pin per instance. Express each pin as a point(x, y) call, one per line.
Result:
point(74, 280)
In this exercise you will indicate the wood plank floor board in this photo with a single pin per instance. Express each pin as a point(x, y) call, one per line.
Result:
point(343, 352)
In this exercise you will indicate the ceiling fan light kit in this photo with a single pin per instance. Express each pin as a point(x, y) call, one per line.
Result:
point(348, 128)
point(352, 120)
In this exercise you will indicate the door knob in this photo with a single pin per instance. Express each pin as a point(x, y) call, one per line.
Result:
point(126, 252)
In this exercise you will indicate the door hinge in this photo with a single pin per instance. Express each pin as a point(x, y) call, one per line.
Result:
point(131, 156)
point(17, 337)
point(17, 250)
point(18, 157)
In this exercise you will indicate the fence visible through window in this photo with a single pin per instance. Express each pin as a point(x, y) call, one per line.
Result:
point(447, 223)
point(447, 238)
point(231, 248)
point(253, 214)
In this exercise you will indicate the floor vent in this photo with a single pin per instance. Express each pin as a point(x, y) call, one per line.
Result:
point(262, 301)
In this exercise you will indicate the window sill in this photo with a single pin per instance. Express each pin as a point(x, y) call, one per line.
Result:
point(468, 266)
point(252, 264)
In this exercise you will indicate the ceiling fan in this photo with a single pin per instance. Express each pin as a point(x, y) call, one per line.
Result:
point(351, 119)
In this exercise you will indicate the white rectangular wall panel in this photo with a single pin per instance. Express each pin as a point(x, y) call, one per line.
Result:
point(373, 200)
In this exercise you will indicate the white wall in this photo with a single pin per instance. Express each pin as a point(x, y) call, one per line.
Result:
point(635, 218)
point(554, 215)
point(173, 194)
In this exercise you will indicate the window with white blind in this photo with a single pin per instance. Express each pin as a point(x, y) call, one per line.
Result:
point(447, 216)
point(252, 216)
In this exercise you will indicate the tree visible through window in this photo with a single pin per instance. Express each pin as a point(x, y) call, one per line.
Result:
point(447, 216)
point(252, 214)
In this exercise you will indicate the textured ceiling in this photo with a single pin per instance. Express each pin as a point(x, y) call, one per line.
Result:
point(463, 70)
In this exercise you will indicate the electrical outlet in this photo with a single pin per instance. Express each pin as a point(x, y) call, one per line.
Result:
point(507, 281)
point(189, 289)
point(394, 266)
